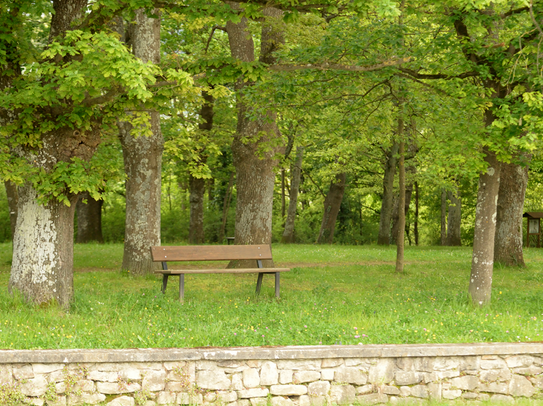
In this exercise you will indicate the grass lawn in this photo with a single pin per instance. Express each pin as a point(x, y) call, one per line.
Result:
point(333, 295)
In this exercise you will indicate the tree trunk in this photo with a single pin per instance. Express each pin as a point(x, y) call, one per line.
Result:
point(396, 211)
point(332, 204)
point(400, 239)
point(143, 164)
point(89, 219)
point(388, 194)
point(443, 240)
point(480, 287)
point(225, 207)
point(13, 198)
point(288, 233)
point(454, 219)
point(416, 220)
point(196, 199)
point(508, 239)
point(253, 156)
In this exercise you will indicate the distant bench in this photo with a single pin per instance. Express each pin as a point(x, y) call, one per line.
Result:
point(215, 253)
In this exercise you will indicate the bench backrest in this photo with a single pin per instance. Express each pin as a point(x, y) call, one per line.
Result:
point(211, 252)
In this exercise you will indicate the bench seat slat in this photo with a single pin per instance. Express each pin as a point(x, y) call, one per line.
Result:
point(223, 270)
point(211, 252)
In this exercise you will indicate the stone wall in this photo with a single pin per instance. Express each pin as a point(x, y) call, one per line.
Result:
point(280, 376)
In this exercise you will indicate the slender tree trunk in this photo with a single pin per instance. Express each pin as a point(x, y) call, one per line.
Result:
point(454, 219)
point(196, 199)
point(480, 287)
point(288, 233)
point(416, 220)
point(388, 194)
point(89, 219)
point(400, 240)
point(251, 151)
point(443, 240)
point(508, 239)
point(13, 198)
point(143, 164)
point(396, 212)
point(332, 204)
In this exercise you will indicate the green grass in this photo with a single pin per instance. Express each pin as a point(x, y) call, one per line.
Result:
point(333, 295)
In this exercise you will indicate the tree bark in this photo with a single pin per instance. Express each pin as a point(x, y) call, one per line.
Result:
point(332, 204)
point(400, 240)
point(253, 155)
point(196, 199)
point(454, 219)
point(289, 232)
point(13, 198)
point(89, 219)
point(143, 164)
point(225, 207)
point(383, 237)
point(416, 220)
point(443, 240)
point(480, 287)
point(396, 211)
point(508, 239)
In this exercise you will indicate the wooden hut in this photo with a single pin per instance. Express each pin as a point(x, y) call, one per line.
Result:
point(533, 227)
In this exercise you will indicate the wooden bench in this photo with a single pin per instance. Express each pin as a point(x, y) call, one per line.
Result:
point(215, 253)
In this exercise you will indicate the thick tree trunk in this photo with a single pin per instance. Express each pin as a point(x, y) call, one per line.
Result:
point(508, 239)
point(443, 239)
point(42, 267)
point(400, 239)
point(143, 164)
point(480, 287)
point(252, 153)
point(288, 233)
point(388, 193)
point(454, 219)
point(13, 199)
point(196, 199)
point(89, 219)
point(332, 204)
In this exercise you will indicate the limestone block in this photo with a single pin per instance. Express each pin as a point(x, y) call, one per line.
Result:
point(59, 401)
point(327, 374)
point(6, 375)
point(281, 401)
point(285, 376)
point(132, 374)
point(470, 395)
point(60, 387)
point(149, 403)
point(354, 375)
point(529, 371)
point(86, 399)
point(342, 394)
point(251, 379)
point(254, 363)
point(213, 379)
point(232, 364)
point(237, 382)
point(519, 361)
point(446, 363)
point(404, 363)
point(244, 402)
point(259, 401)
point(155, 380)
point(103, 376)
point(353, 362)
point(300, 365)
point(57, 376)
point(435, 390)
point(469, 364)
point(173, 386)
point(116, 388)
point(453, 373)
point(122, 401)
point(494, 387)
point(189, 399)
point(210, 397)
point(405, 391)
point(466, 382)
point(331, 362)
point(34, 401)
point(502, 399)
point(492, 364)
point(306, 376)
point(166, 398)
point(390, 390)
point(227, 397)
point(419, 391)
point(318, 388)
point(484, 397)
point(170, 366)
point(520, 386)
point(253, 393)
point(451, 393)
point(407, 377)
point(288, 390)
point(372, 399)
point(304, 400)
point(84, 385)
point(23, 372)
point(381, 373)
point(205, 365)
point(363, 390)
point(425, 364)
point(46, 368)
point(537, 382)
point(34, 387)
point(269, 374)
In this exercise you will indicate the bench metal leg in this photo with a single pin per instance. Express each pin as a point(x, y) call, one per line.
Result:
point(259, 283)
point(164, 282)
point(277, 275)
point(181, 287)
